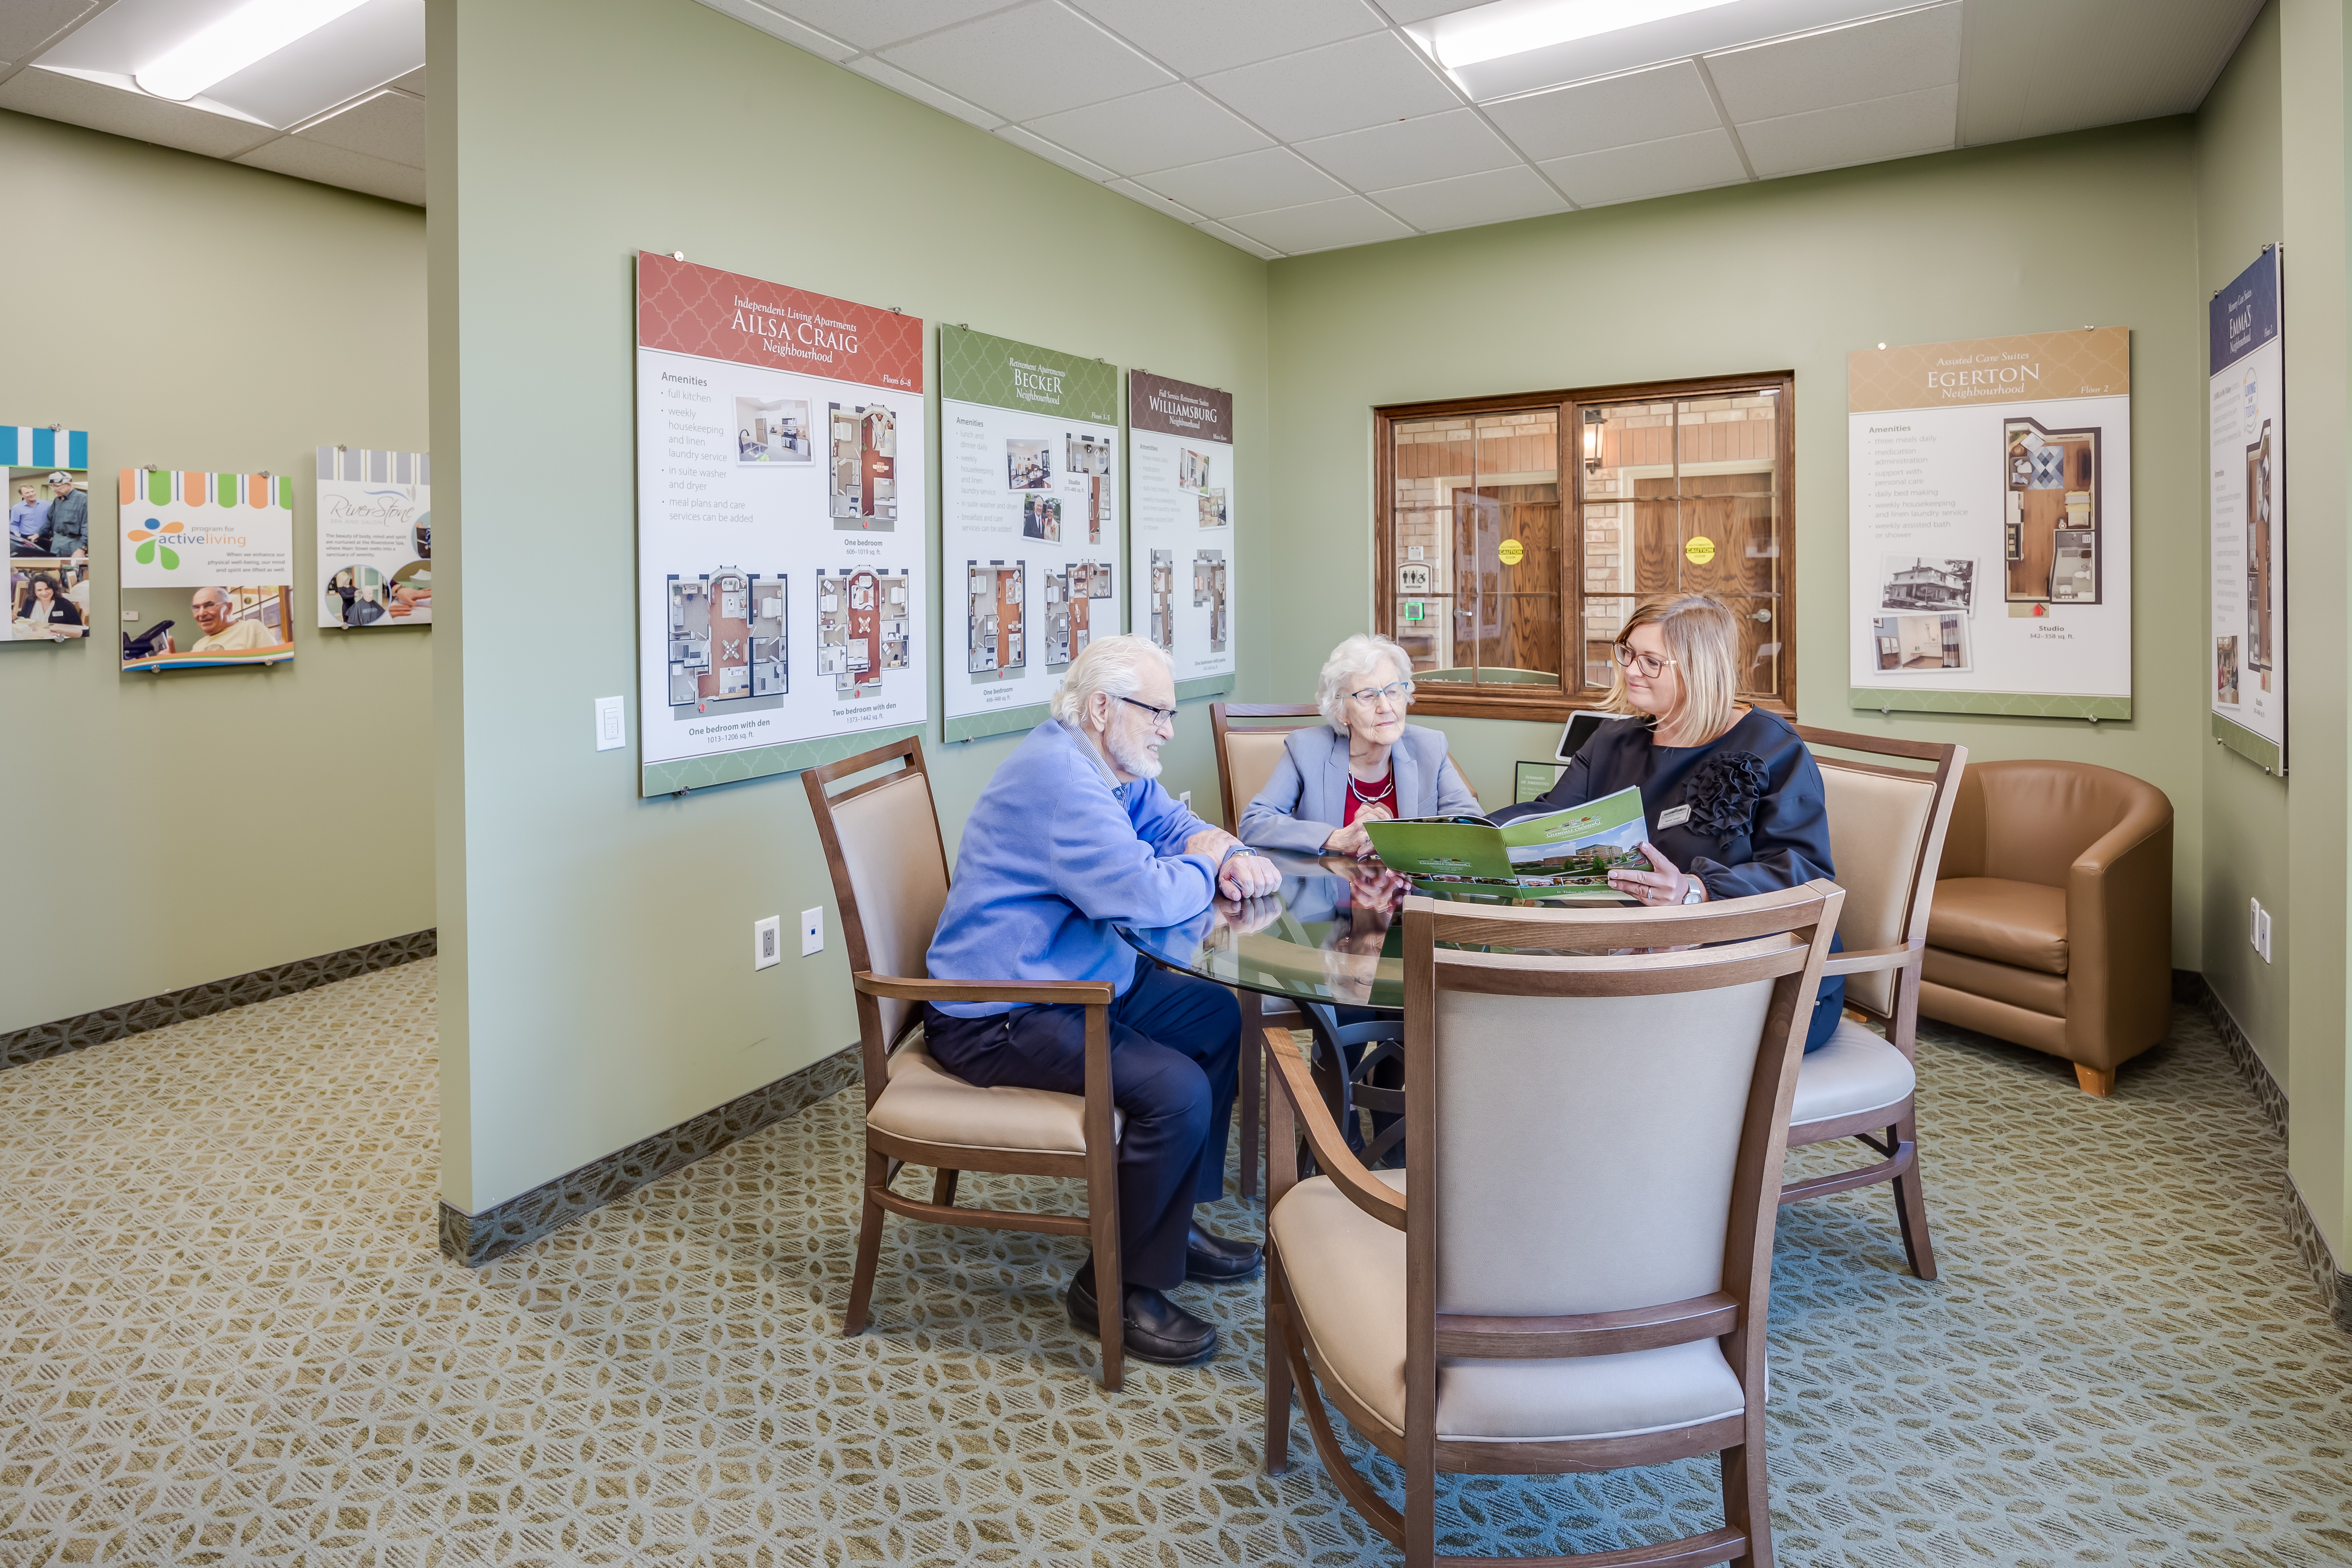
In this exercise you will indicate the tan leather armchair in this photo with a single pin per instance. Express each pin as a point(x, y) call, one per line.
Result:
point(2051, 925)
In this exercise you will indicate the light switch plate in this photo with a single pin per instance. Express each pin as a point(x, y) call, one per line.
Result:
point(1185, 799)
point(767, 942)
point(611, 725)
point(812, 931)
point(2263, 939)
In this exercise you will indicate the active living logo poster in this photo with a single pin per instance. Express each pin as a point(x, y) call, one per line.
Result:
point(780, 525)
point(208, 569)
point(1989, 520)
point(375, 538)
point(49, 533)
point(2248, 431)
point(1029, 523)
point(1179, 442)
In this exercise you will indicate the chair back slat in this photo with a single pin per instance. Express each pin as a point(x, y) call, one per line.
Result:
point(1246, 753)
point(889, 867)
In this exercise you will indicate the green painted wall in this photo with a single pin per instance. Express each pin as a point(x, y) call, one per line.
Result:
point(2245, 815)
point(598, 984)
point(1787, 275)
point(170, 830)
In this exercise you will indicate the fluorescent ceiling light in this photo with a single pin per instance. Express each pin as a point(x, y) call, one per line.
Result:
point(252, 32)
point(1515, 27)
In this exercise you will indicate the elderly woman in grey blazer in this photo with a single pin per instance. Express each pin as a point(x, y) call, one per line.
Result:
point(1369, 764)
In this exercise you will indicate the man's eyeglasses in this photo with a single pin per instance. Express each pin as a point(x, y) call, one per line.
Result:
point(1395, 691)
point(1649, 664)
point(1158, 715)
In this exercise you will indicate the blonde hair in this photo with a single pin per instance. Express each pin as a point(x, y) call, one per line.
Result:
point(1361, 655)
point(1702, 637)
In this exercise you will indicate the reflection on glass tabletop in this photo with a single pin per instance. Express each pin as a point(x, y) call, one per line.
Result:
point(1328, 933)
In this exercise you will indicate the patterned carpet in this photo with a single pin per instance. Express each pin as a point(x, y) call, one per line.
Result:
point(226, 1338)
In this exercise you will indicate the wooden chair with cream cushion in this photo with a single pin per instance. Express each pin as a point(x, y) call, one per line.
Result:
point(1579, 1280)
point(1246, 755)
point(891, 878)
point(1890, 802)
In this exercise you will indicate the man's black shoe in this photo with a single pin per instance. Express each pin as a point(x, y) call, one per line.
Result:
point(1157, 1329)
point(1213, 1261)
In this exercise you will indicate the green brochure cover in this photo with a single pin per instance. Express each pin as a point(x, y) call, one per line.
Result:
point(1567, 849)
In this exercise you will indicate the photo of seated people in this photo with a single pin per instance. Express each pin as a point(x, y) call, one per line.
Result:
point(163, 625)
point(48, 601)
point(48, 514)
point(355, 595)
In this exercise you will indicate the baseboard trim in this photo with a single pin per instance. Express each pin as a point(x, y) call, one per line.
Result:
point(38, 1042)
point(474, 1239)
point(2335, 1284)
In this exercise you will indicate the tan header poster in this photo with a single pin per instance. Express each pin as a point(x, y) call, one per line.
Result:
point(1989, 525)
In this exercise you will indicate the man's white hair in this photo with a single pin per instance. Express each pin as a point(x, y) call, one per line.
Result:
point(1359, 659)
point(1113, 666)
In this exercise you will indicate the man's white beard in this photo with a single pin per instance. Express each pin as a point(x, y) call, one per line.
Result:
point(1139, 761)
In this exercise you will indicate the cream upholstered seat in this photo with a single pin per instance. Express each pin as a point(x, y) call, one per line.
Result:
point(1886, 833)
point(926, 1101)
point(1572, 1272)
point(890, 881)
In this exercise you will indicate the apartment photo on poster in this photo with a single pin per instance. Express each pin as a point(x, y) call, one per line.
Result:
point(208, 567)
point(1182, 552)
point(48, 534)
point(781, 439)
point(2247, 423)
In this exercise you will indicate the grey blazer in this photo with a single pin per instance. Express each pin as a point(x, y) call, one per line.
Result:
point(1303, 802)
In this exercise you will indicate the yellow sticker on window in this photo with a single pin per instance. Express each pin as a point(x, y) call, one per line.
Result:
point(1512, 551)
point(1700, 551)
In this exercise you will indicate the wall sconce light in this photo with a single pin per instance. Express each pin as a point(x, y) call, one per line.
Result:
point(1593, 423)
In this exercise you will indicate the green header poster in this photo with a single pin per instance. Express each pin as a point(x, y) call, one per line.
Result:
point(1029, 525)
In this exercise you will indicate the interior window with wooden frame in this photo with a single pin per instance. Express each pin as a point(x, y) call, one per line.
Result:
point(1509, 611)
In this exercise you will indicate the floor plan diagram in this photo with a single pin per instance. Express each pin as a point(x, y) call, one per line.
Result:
point(1070, 593)
point(2262, 580)
point(2051, 541)
point(725, 637)
point(1163, 599)
point(993, 597)
point(862, 473)
point(862, 614)
point(1209, 588)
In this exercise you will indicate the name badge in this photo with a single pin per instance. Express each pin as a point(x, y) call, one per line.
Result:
point(1674, 816)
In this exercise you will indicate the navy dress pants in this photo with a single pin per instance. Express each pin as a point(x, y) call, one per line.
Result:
point(1175, 1054)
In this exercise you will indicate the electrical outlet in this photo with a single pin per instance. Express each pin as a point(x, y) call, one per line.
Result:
point(812, 931)
point(1185, 800)
point(2262, 935)
point(611, 725)
point(767, 942)
point(2254, 924)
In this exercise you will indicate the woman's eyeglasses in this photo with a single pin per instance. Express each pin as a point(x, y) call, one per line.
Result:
point(1649, 664)
point(1395, 691)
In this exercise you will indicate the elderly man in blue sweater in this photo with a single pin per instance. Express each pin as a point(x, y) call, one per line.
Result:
point(1073, 835)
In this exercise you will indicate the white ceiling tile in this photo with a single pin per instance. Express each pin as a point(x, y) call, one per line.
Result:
point(1615, 111)
point(1155, 129)
point(1339, 87)
point(1155, 201)
point(1410, 152)
point(1239, 240)
point(1037, 60)
point(53, 95)
point(1898, 127)
point(2154, 57)
point(389, 125)
point(25, 25)
point(1198, 36)
point(1403, 11)
point(1043, 149)
point(1320, 225)
point(872, 24)
point(1275, 177)
point(1661, 168)
point(336, 166)
point(921, 92)
point(1498, 196)
point(776, 24)
point(1819, 70)
point(360, 49)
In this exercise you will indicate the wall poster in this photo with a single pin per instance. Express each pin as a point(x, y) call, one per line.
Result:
point(1029, 527)
point(2248, 431)
point(207, 564)
point(1180, 443)
point(375, 538)
point(780, 530)
point(49, 533)
point(1989, 521)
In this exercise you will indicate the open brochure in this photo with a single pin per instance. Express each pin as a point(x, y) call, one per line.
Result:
point(1568, 852)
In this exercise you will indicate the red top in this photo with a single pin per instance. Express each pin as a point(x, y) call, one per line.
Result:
point(1361, 794)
